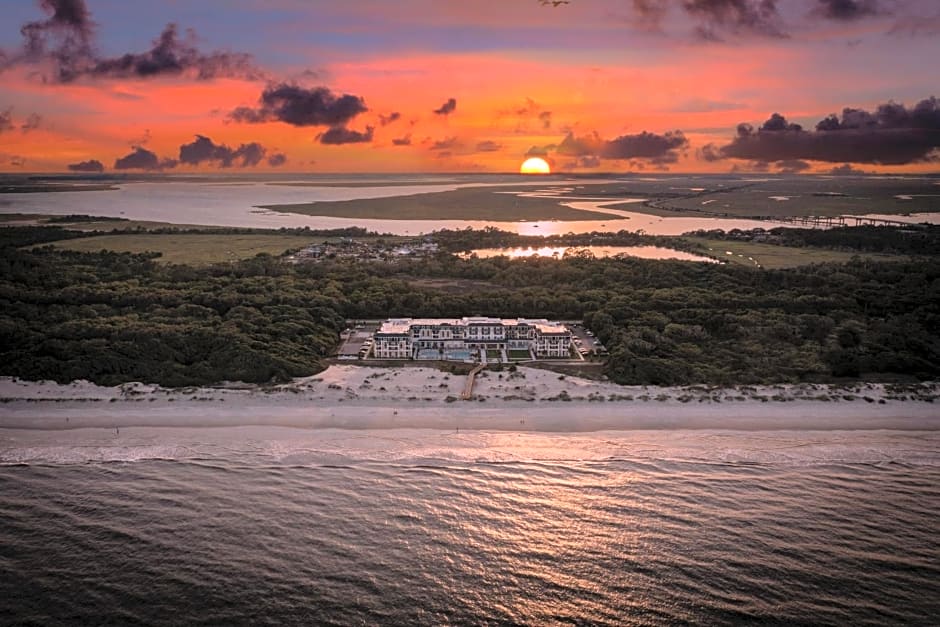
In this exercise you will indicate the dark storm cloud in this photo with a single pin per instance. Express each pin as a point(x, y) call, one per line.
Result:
point(6, 120)
point(299, 106)
point(891, 135)
point(447, 108)
point(658, 149)
point(337, 135)
point(277, 160)
point(402, 141)
point(489, 146)
point(143, 159)
point(92, 165)
point(66, 41)
point(385, 120)
point(847, 10)
point(204, 150)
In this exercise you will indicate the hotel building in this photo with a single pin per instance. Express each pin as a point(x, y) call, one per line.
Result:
point(457, 338)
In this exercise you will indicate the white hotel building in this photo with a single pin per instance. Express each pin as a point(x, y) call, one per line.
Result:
point(453, 338)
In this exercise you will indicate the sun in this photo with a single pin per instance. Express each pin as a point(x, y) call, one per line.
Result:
point(535, 165)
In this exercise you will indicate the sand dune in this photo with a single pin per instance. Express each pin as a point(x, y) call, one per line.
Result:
point(355, 397)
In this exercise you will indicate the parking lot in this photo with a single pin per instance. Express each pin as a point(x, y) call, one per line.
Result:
point(355, 338)
point(585, 341)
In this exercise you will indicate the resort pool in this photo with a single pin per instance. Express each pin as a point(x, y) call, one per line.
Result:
point(449, 354)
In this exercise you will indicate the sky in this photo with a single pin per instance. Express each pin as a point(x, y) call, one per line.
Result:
point(790, 86)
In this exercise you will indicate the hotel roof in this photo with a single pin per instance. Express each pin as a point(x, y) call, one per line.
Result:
point(402, 326)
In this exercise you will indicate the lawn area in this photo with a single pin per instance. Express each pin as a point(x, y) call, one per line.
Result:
point(493, 354)
point(190, 248)
point(775, 257)
point(474, 203)
point(518, 354)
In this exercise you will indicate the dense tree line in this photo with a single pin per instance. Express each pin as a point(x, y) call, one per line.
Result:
point(113, 317)
point(921, 239)
point(468, 239)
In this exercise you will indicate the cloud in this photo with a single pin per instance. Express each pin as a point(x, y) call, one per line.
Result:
point(714, 20)
point(14, 160)
point(33, 121)
point(920, 25)
point(385, 120)
point(734, 16)
point(6, 120)
point(650, 13)
point(847, 10)
point(891, 135)
point(530, 110)
point(92, 165)
point(65, 36)
point(846, 169)
point(143, 159)
point(402, 141)
point(655, 148)
point(489, 146)
point(337, 135)
point(751, 167)
point(66, 41)
point(299, 106)
point(204, 150)
point(448, 143)
point(545, 117)
point(171, 55)
point(447, 108)
point(277, 160)
point(540, 151)
point(792, 166)
point(589, 161)
point(578, 146)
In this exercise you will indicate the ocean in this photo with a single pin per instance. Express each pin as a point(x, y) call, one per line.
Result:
point(255, 525)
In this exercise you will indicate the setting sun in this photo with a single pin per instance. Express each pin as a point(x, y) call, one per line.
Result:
point(535, 165)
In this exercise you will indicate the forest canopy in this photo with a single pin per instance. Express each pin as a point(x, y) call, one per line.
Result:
point(117, 317)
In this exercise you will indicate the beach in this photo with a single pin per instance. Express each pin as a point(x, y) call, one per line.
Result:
point(528, 399)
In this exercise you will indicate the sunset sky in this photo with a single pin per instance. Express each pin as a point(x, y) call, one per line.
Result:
point(445, 85)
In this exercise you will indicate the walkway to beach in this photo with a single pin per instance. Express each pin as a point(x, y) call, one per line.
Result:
point(468, 388)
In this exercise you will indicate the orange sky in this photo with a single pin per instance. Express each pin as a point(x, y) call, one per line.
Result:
point(514, 88)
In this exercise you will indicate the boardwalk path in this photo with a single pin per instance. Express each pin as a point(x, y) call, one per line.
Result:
point(468, 388)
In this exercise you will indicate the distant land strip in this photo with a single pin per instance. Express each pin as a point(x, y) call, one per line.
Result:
point(459, 204)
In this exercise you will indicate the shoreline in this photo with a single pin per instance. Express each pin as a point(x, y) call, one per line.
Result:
point(362, 397)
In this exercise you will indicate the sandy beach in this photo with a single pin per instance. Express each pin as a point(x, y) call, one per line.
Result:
point(357, 397)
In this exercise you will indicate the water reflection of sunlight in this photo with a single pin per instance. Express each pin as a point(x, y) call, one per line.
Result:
point(558, 252)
